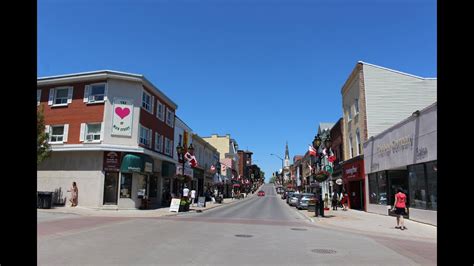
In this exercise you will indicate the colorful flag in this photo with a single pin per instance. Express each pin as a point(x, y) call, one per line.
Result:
point(312, 151)
point(191, 159)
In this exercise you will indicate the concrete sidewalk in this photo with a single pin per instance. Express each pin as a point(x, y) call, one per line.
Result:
point(372, 224)
point(164, 211)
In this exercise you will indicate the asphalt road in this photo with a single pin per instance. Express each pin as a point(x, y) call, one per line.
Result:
point(252, 231)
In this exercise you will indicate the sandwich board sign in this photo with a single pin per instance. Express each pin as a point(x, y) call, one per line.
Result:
point(201, 202)
point(174, 207)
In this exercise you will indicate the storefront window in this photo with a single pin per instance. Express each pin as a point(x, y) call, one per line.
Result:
point(373, 189)
point(397, 178)
point(382, 187)
point(126, 186)
point(418, 186)
point(432, 183)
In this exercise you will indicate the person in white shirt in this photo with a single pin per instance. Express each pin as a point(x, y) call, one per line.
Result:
point(193, 196)
point(185, 191)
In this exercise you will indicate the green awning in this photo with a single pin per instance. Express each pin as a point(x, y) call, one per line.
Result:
point(136, 163)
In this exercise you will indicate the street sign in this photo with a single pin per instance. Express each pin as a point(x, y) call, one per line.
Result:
point(328, 168)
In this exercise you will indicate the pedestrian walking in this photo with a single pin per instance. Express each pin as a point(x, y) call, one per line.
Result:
point(326, 201)
point(334, 201)
point(400, 208)
point(193, 197)
point(74, 194)
point(185, 191)
point(345, 201)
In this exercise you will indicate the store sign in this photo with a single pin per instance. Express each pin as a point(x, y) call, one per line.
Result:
point(112, 161)
point(187, 170)
point(398, 145)
point(353, 170)
point(148, 167)
point(421, 153)
point(122, 118)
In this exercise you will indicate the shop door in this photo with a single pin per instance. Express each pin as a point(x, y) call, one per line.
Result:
point(110, 188)
point(201, 187)
point(355, 196)
point(397, 179)
point(153, 187)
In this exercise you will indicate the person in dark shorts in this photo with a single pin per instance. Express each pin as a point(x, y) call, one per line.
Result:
point(400, 208)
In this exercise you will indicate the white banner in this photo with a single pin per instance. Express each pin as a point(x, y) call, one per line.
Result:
point(122, 119)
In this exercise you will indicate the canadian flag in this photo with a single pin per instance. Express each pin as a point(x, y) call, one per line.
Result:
point(312, 151)
point(191, 159)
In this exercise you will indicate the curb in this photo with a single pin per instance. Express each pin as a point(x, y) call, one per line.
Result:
point(89, 212)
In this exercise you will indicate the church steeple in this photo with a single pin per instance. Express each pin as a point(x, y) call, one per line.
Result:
point(287, 156)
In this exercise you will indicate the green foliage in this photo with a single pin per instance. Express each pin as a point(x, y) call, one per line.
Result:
point(272, 179)
point(43, 150)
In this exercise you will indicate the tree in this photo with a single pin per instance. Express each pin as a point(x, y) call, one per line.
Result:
point(43, 150)
point(272, 179)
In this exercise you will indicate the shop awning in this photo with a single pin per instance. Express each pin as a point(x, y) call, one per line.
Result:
point(137, 163)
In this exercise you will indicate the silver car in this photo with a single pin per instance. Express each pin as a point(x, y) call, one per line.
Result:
point(294, 199)
point(303, 201)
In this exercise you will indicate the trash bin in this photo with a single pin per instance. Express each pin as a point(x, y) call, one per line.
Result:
point(45, 199)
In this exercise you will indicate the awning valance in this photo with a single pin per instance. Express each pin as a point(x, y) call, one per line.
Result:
point(141, 163)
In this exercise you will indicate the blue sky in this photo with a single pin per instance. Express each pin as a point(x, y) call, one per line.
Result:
point(265, 72)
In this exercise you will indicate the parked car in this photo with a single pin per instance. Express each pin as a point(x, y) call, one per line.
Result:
point(288, 196)
point(294, 199)
point(261, 193)
point(304, 200)
point(284, 195)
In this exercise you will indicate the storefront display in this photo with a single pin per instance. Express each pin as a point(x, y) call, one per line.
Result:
point(405, 156)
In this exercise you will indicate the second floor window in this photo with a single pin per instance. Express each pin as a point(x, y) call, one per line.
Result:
point(147, 101)
point(61, 96)
point(145, 136)
point(160, 111)
point(95, 93)
point(356, 106)
point(351, 150)
point(169, 117)
point(359, 148)
point(349, 114)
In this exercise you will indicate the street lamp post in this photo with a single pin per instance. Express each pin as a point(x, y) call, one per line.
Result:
point(281, 180)
point(181, 152)
point(322, 144)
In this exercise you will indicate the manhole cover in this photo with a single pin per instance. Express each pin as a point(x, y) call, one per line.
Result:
point(323, 251)
point(299, 229)
point(243, 235)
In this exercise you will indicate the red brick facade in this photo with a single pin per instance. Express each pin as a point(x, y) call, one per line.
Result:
point(75, 113)
point(151, 121)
